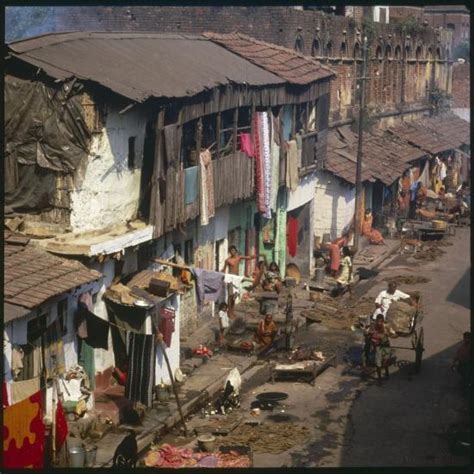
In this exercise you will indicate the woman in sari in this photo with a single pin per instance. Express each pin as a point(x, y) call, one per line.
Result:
point(374, 236)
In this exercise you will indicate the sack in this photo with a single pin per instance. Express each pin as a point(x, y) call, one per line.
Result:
point(400, 316)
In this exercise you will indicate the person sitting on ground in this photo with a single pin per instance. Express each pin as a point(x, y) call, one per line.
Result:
point(232, 263)
point(377, 339)
point(272, 278)
point(223, 322)
point(385, 298)
point(462, 359)
point(374, 236)
point(345, 279)
point(266, 331)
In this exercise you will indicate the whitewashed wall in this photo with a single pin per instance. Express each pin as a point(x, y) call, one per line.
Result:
point(334, 205)
point(465, 114)
point(109, 193)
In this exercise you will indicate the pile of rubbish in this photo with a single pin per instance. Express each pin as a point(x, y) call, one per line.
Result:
point(268, 438)
point(302, 354)
point(167, 456)
point(400, 316)
point(430, 251)
point(407, 279)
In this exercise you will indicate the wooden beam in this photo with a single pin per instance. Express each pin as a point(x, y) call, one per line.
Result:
point(198, 137)
point(218, 134)
point(157, 170)
point(234, 132)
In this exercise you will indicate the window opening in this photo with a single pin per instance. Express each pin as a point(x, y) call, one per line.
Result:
point(188, 252)
point(315, 48)
point(62, 316)
point(227, 128)
point(188, 144)
point(209, 133)
point(131, 153)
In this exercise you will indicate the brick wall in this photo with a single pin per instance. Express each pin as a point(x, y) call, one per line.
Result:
point(461, 85)
point(338, 38)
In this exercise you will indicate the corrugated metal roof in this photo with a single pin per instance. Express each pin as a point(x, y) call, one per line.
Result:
point(141, 65)
point(385, 157)
point(33, 276)
point(284, 62)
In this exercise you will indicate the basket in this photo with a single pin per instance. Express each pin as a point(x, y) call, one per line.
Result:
point(439, 225)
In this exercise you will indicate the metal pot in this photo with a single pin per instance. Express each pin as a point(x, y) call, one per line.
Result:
point(91, 455)
point(77, 456)
point(206, 442)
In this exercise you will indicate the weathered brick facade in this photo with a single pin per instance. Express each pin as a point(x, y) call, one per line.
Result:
point(401, 68)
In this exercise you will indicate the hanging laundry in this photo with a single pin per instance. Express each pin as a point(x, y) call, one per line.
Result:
point(292, 166)
point(267, 168)
point(292, 235)
point(207, 187)
point(17, 360)
point(276, 130)
point(23, 389)
point(166, 325)
point(275, 165)
point(61, 426)
point(141, 372)
point(209, 286)
point(24, 434)
point(90, 327)
point(191, 184)
point(54, 350)
point(259, 179)
point(442, 171)
point(246, 145)
point(425, 176)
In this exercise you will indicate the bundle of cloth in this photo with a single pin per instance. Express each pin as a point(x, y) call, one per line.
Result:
point(400, 316)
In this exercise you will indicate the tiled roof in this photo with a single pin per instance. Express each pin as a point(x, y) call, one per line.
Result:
point(283, 62)
point(32, 276)
point(435, 134)
point(385, 157)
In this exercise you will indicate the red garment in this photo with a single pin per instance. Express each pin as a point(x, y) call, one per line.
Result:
point(5, 401)
point(335, 255)
point(61, 426)
point(24, 434)
point(246, 144)
point(292, 235)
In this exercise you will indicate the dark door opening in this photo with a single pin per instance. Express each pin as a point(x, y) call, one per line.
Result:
point(147, 172)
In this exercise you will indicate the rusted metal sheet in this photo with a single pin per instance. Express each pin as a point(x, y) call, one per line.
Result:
point(141, 65)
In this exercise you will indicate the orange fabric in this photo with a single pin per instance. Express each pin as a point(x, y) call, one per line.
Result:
point(24, 434)
point(335, 255)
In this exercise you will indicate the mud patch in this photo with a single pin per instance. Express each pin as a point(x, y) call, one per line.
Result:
point(407, 279)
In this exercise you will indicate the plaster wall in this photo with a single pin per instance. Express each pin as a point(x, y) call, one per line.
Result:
point(465, 114)
point(109, 192)
point(333, 205)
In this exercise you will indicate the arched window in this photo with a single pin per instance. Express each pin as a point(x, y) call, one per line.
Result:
point(408, 51)
point(316, 48)
point(418, 53)
point(357, 53)
point(343, 51)
point(378, 52)
point(329, 50)
point(429, 54)
point(388, 51)
point(398, 52)
point(438, 53)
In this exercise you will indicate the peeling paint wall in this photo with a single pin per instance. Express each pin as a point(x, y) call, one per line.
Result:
point(333, 205)
point(109, 193)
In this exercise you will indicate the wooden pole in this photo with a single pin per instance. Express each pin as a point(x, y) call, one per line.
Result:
point(175, 391)
point(358, 190)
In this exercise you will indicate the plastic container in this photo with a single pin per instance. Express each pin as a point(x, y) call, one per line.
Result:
point(206, 442)
point(77, 456)
point(91, 455)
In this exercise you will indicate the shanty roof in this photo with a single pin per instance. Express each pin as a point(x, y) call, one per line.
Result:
point(143, 65)
point(32, 276)
point(385, 157)
point(284, 62)
point(435, 134)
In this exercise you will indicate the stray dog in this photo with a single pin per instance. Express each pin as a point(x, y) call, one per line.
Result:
point(126, 453)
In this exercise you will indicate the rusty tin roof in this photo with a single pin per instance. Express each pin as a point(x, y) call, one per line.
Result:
point(290, 65)
point(33, 276)
point(141, 65)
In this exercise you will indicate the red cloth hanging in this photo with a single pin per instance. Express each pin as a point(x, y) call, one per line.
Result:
point(61, 426)
point(246, 145)
point(292, 235)
point(24, 434)
point(259, 185)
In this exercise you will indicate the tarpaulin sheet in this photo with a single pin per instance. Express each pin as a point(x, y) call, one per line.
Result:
point(45, 130)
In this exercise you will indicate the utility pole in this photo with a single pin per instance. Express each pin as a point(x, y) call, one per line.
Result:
point(358, 196)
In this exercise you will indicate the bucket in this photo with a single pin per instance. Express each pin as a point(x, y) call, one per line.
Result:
point(77, 456)
point(206, 442)
point(162, 393)
point(320, 273)
point(91, 454)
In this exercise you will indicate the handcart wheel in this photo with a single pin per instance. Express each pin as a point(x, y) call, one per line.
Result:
point(419, 351)
point(414, 339)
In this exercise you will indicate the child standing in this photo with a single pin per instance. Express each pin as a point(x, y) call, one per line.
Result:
point(223, 321)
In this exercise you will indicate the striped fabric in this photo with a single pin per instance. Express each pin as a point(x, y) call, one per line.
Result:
point(141, 372)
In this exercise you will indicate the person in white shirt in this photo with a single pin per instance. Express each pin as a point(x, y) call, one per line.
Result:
point(223, 321)
point(385, 298)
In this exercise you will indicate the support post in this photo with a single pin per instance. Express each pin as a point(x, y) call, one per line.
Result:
point(358, 196)
point(218, 134)
point(234, 131)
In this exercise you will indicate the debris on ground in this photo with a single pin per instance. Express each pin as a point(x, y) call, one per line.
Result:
point(400, 316)
point(268, 438)
point(407, 279)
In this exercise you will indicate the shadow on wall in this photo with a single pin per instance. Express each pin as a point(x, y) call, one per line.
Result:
point(425, 410)
point(460, 294)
